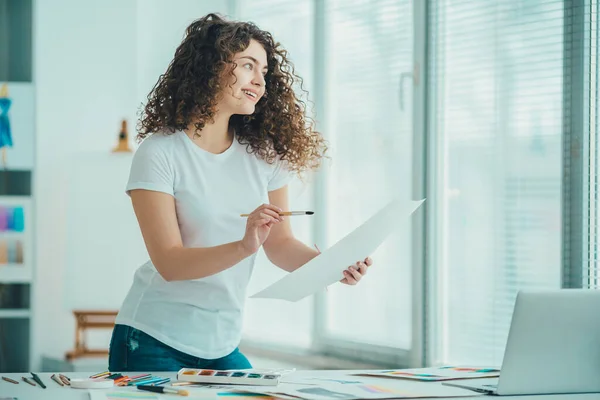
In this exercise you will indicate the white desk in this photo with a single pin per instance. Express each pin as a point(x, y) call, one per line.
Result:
point(24, 391)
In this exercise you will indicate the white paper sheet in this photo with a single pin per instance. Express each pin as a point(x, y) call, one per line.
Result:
point(229, 392)
point(130, 393)
point(99, 394)
point(327, 267)
point(376, 390)
point(434, 374)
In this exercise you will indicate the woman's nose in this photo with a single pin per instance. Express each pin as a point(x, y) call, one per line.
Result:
point(259, 80)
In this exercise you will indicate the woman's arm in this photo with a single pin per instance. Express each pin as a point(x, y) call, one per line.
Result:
point(281, 247)
point(157, 218)
point(289, 254)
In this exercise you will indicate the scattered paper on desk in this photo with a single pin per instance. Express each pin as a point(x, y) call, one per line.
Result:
point(342, 379)
point(227, 392)
point(379, 390)
point(437, 374)
point(98, 394)
point(327, 267)
point(248, 396)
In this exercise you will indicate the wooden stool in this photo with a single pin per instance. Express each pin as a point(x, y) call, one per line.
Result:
point(89, 320)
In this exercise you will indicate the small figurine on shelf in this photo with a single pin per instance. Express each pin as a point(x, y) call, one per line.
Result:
point(5, 133)
point(123, 143)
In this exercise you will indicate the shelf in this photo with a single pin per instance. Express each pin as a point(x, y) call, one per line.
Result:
point(11, 234)
point(15, 273)
point(14, 313)
point(14, 200)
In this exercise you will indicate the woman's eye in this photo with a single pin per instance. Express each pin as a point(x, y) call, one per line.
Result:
point(248, 66)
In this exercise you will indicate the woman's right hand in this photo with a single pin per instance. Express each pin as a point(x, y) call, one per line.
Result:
point(258, 226)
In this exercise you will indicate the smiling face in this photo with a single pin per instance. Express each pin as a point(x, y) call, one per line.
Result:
point(247, 84)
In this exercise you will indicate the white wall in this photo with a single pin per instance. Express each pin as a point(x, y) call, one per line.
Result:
point(22, 121)
point(160, 29)
point(94, 62)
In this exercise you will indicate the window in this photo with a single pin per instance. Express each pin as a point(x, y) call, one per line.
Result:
point(369, 120)
point(272, 321)
point(366, 47)
point(496, 122)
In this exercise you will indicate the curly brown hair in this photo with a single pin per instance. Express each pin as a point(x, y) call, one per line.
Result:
point(189, 90)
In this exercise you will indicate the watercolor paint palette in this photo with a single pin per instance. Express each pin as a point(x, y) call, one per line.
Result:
point(230, 377)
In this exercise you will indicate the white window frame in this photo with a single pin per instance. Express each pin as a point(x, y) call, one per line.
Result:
point(331, 345)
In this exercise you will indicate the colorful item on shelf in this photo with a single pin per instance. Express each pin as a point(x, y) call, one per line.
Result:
point(11, 251)
point(3, 252)
point(12, 218)
point(5, 132)
point(19, 251)
point(9, 217)
point(18, 219)
point(4, 212)
point(15, 251)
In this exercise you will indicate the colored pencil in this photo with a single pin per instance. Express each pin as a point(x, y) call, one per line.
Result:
point(106, 373)
point(32, 383)
point(38, 380)
point(10, 380)
point(65, 379)
point(57, 380)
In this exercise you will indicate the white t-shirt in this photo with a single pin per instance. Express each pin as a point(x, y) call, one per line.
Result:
point(201, 317)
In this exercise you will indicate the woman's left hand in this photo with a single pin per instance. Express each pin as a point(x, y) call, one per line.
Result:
point(355, 272)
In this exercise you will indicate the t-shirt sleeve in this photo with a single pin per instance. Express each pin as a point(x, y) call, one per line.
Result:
point(281, 176)
point(151, 169)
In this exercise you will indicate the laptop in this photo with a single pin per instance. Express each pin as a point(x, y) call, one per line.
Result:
point(553, 346)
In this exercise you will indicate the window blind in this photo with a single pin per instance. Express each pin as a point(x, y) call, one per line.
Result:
point(496, 113)
point(592, 73)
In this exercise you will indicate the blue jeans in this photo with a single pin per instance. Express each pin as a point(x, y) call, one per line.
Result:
point(134, 350)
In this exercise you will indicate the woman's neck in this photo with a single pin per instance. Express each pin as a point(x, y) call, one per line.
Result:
point(215, 137)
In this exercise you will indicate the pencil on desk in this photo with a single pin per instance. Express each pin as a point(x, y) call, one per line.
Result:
point(146, 381)
point(38, 380)
point(57, 380)
point(287, 213)
point(140, 376)
point(101, 374)
point(125, 382)
point(121, 379)
point(28, 381)
point(65, 379)
point(10, 380)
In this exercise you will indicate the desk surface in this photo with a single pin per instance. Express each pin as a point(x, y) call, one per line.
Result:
point(23, 391)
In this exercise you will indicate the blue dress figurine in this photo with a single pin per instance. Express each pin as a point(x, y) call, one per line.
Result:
point(5, 133)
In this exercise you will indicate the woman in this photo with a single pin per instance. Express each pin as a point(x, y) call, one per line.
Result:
point(223, 134)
